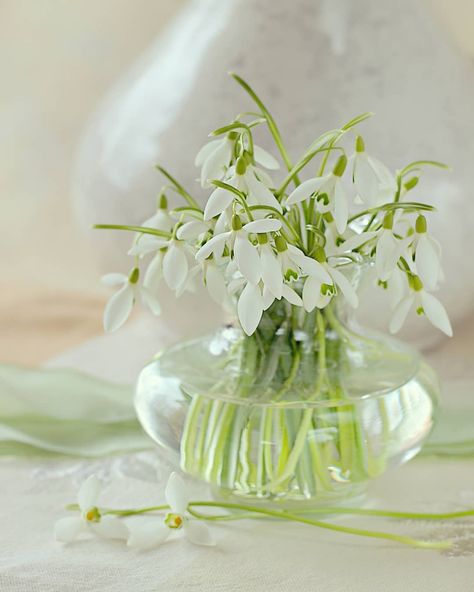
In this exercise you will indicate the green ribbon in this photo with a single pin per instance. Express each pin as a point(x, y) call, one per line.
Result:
point(64, 412)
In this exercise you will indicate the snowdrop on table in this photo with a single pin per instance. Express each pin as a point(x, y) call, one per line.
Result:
point(91, 519)
point(154, 531)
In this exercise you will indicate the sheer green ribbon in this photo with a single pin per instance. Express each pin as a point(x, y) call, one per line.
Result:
point(64, 412)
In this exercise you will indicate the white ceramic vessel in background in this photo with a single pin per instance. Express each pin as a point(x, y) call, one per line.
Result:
point(316, 63)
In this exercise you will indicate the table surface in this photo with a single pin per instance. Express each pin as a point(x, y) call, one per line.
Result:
point(250, 555)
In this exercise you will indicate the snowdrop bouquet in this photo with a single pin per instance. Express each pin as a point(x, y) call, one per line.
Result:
point(285, 254)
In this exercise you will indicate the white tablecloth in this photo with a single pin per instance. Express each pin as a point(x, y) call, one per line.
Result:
point(250, 555)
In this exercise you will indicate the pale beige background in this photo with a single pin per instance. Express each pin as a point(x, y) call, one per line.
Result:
point(57, 58)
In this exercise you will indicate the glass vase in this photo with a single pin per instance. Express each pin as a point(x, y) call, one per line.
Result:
point(310, 408)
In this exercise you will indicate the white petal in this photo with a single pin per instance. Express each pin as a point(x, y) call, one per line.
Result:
point(214, 166)
point(161, 220)
point(427, 261)
point(218, 201)
point(260, 192)
point(154, 272)
point(263, 225)
point(247, 258)
point(148, 535)
point(250, 308)
point(386, 255)
point(213, 246)
point(88, 493)
point(110, 527)
point(206, 151)
point(267, 298)
point(146, 243)
point(271, 271)
point(341, 211)
point(290, 295)
point(118, 308)
point(176, 494)
point(345, 286)
point(150, 300)
point(400, 313)
point(175, 266)
point(306, 189)
point(356, 241)
point(191, 230)
point(265, 158)
point(68, 529)
point(215, 284)
point(365, 180)
point(198, 533)
point(385, 177)
point(436, 313)
point(114, 279)
point(315, 269)
point(311, 292)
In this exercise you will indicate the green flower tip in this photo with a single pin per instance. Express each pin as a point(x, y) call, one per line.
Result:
point(360, 144)
point(388, 221)
point(411, 183)
point(232, 136)
point(420, 225)
point(416, 283)
point(162, 202)
point(262, 239)
point(134, 276)
point(236, 222)
point(240, 166)
point(320, 255)
point(280, 244)
point(340, 166)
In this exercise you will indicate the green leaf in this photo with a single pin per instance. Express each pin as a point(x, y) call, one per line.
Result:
point(142, 229)
point(418, 163)
point(358, 119)
point(179, 188)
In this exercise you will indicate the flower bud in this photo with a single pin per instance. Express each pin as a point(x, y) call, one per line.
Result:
point(411, 183)
point(388, 221)
point(420, 224)
point(340, 167)
point(236, 222)
point(134, 276)
point(280, 244)
point(360, 144)
point(232, 136)
point(240, 166)
point(320, 255)
point(162, 202)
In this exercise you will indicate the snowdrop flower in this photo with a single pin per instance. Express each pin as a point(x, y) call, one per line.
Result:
point(330, 197)
point(245, 253)
point(120, 305)
point(214, 158)
point(214, 281)
point(90, 520)
point(246, 179)
point(425, 303)
point(373, 181)
point(427, 255)
point(250, 307)
point(152, 533)
point(322, 283)
point(388, 250)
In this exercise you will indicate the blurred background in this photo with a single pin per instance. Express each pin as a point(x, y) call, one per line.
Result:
point(58, 59)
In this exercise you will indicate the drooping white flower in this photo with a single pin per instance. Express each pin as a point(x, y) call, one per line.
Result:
point(373, 181)
point(120, 305)
point(245, 178)
point(330, 194)
point(90, 519)
point(323, 282)
point(153, 532)
point(425, 303)
point(175, 264)
point(250, 307)
point(427, 255)
point(214, 281)
point(237, 239)
point(215, 157)
point(388, 250)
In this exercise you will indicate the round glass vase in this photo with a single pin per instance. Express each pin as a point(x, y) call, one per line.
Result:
point(308, 409)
